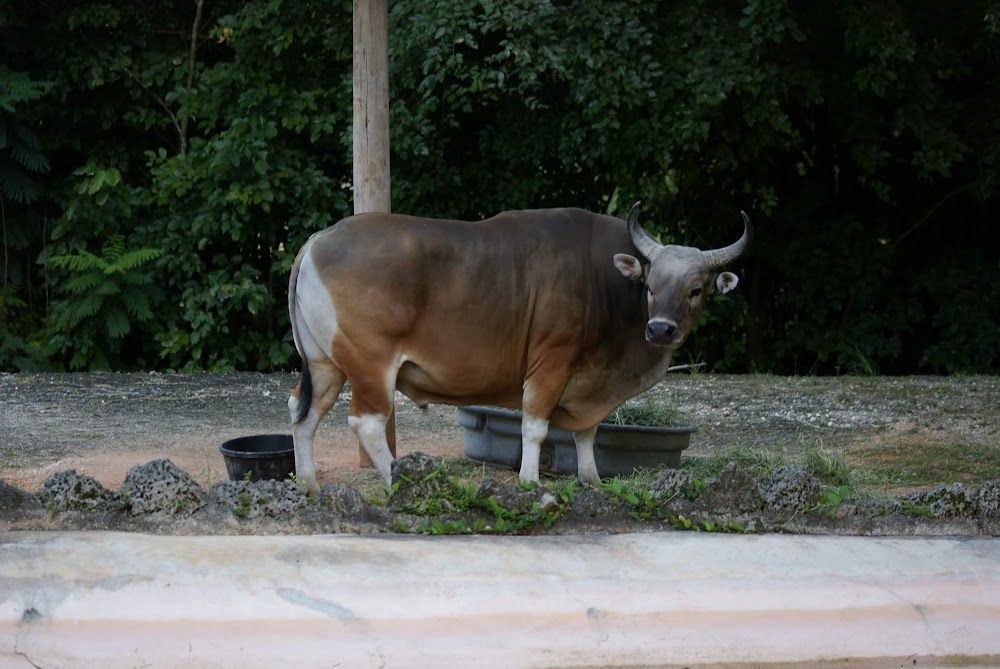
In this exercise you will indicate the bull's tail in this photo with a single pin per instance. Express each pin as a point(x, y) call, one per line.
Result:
point(305, 393)
point(305, 388)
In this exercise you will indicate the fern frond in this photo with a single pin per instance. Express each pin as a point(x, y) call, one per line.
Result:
point(25, 148)
point(81, 283)
point(136, 279)
point(82, 261)
point(117, 323)
point(137, 304)
point(108, 288)
point(134, 258)
point(15, 184)
point(17, 87)
point(112, 251)
point(142, 298)
point(24, 135)
point(70, 313)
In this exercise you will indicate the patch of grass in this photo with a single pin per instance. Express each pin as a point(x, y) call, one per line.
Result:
point(646, 412)
point(371, 486)
point(925, 464)
point(756, 462)
point(909, 508)
point(829, 466)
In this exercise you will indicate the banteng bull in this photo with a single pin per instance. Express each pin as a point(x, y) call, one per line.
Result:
point(562, 313)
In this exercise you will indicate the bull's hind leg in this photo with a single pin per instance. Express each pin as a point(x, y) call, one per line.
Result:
point(315, 395)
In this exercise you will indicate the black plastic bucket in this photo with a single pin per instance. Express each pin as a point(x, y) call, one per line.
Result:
point(261, 457)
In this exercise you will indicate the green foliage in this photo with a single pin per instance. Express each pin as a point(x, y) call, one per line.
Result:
point(257, 178)
point(830, 499)
point(459, 496)
point(966, 319)
point(22, 159)
point(861, 138)
point(105, 297)
point(244, 505)
point(20, 146)
point(645, 507)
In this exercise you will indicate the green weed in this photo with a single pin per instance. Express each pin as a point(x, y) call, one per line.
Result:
point(245, 503)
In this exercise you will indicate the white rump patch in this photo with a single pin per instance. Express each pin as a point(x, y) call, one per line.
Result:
point(315, 312)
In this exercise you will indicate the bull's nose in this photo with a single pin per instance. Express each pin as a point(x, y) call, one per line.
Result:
point(661, 331)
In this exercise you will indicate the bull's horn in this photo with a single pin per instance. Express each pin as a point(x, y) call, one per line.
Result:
point(646, 245)
point(716, 258)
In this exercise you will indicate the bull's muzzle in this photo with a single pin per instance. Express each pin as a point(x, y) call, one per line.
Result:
point(661, 332)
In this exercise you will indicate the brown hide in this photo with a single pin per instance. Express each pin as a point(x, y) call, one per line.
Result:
point(483, 310)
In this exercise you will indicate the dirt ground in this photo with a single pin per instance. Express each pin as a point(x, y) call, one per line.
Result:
point(102, 424)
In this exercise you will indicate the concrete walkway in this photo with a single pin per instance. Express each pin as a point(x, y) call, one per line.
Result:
point(97, 599)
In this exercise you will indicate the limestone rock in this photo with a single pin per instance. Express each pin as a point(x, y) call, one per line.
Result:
point(670, 483)
point(13, 498)
point(69, 491)
point(511, 497)
point(789, 489)
point(987, 499)
point(734, 491)
point(256, 499)
point(420, 486)
point(162, 488)
point(950, 501)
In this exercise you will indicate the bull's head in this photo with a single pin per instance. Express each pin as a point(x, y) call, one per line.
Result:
point(678, 279)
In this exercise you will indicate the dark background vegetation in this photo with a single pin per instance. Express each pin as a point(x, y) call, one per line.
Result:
point(162, 162)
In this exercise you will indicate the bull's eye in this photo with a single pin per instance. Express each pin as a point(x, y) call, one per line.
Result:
point(696, 292)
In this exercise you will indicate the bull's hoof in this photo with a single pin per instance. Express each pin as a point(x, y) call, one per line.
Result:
point(528, 482)
point(309, 487)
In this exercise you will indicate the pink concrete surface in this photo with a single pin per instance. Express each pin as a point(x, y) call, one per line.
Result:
point(102, 599)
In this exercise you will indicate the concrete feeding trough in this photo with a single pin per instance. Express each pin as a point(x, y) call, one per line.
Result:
point(261, 457)
point(494, 435)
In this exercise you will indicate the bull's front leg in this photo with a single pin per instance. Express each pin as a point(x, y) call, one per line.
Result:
point(586, 466)
point(371, 432)
point(533, 433)
point(543, 387)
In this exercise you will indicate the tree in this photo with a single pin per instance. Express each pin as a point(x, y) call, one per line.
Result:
point(862, 138)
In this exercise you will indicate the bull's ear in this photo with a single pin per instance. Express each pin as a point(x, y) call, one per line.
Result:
point(629, 266)
point(725, 282)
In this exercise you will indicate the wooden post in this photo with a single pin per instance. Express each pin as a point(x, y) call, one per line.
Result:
point(371, 106)
point(371, 129)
